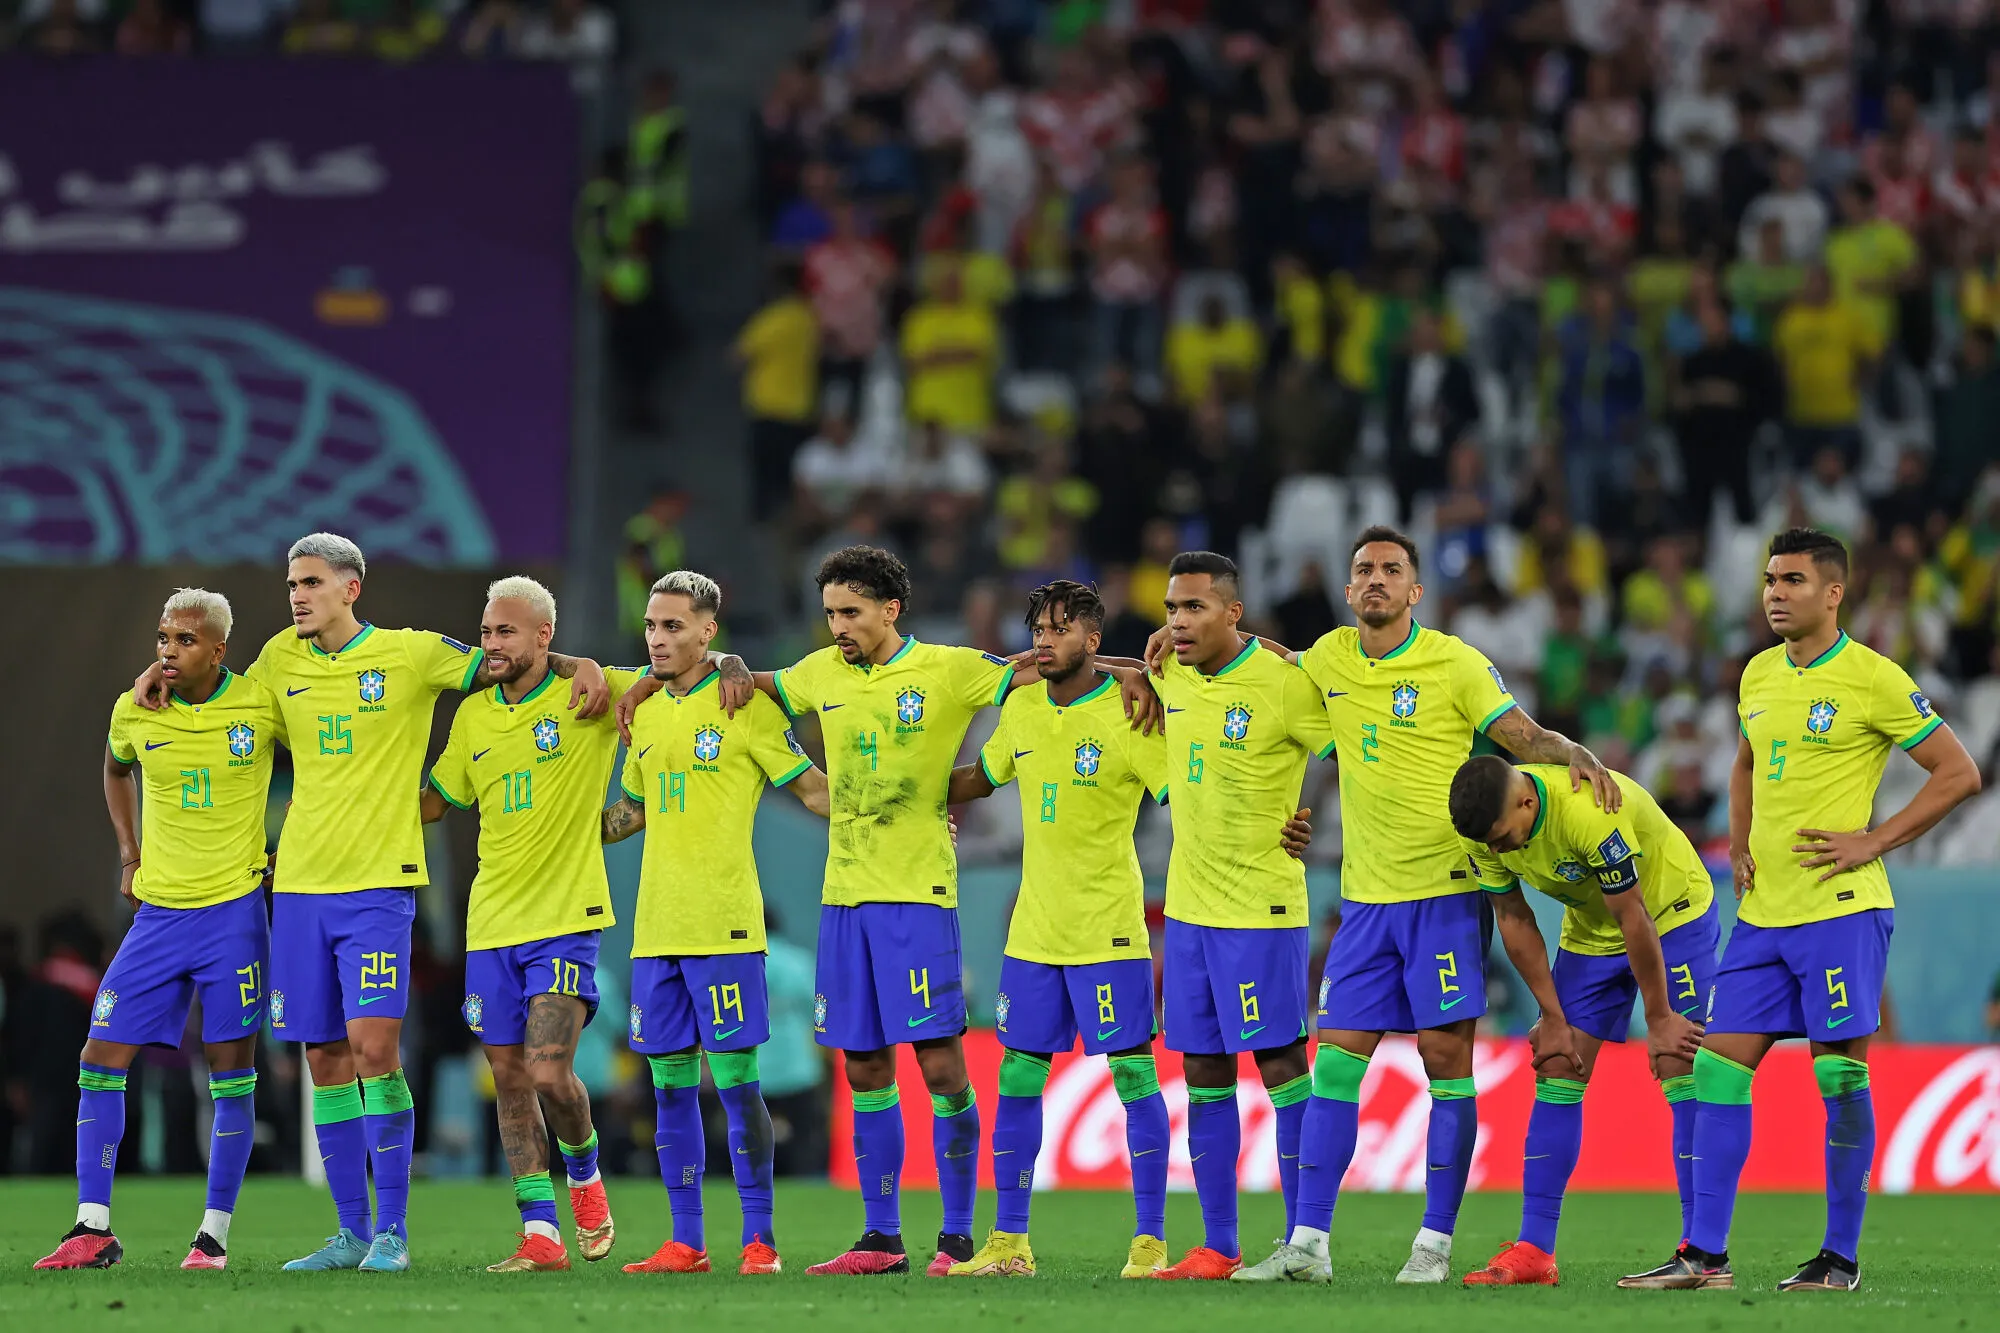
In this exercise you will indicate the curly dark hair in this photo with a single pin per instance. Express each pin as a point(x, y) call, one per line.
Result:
point(1067, 600)
point(869, 570)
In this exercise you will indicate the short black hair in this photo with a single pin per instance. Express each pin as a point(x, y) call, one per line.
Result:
point(869, 570)
point(1479, 795)
point(1067, 600)
point(1382, 532)
point(1826, 550)
point(1220, 568)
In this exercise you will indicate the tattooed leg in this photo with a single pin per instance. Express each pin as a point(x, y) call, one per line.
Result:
point(554, 1023)
point(523, 1136)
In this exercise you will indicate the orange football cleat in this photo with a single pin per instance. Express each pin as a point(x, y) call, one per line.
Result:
point(1518, 1264)
point(759, 1258)
point(673, 1257)
point(592, 1211)
point(1201, 1264)
point(538, 1254)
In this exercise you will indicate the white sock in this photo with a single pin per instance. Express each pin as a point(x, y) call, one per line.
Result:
point(1311, 1239)
point(576, 1184)
point(216, 1223)
point(543, 1229)
point(1435, 1240)
point(96, 1216)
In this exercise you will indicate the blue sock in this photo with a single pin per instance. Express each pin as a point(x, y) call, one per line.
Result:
point(878, 1159)
point(1017, 1141)
point(1680, 1100)
point(579, 1159)
point(392, 1129)
point(100, 1124)
point(1850, 1149)
point(535, 1196)
point(1215, 1141)
point(342, 1132)
point(1289, 1101)
point(1454, 1132)
point(234, 1135)
point(1326, 1141)
point(1148, 1139)
point(955, 1143)
point(1555, 1136)
point(1721, 1147)
point(750, 1149)
point(677, 1140)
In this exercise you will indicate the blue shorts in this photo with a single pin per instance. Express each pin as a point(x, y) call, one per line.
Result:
point(500, 982)
point(1234, 990)
point(1822, 980)
point(172, 953)
point(716, 1001)
point(887, 973)
point(1040, 1005)
point(336, 957)
point(1597, 991)
point(1404, 967)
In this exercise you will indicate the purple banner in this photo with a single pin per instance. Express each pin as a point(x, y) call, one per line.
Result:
point(240, 301)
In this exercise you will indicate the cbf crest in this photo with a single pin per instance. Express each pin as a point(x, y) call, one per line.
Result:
point(1236, 722)
point(1089, 756)
point(242, 740)
point(1002, 1006)
point(1819, 718)
point(910, 707)
point(277, 1008)
point(548, 736)
point(1403, 700)
point(707, 744)
point(373, 686)
point(475, 1013)
point(819, 1013)
point(100, 1013)
point(636, 1020)
point(1573, 871)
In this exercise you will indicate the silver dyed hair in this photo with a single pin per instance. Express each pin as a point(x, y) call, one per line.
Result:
point(524, 589)
point(699, 589)
point(343, 555)
point(214, 608)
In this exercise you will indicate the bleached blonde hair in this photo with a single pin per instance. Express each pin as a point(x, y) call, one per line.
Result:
point(521, 588)
point(338, 552)
point(214, 608)
point(700, 590)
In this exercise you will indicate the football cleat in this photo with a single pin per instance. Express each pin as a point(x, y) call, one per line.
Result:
point(952, 1248)
point(387, 1253)
point(1147, 1256)
point(1825, 1271)
point(206, 1252)
point(1689, 1270)
point(1005, 1254)
point(673, 1257)
point(592, 1211)
point(1518, 1264)
point(874, 1253)
point(1287, 1263)
point(1425, 1265)
point(343, 1249)
point(759, 1258)
point(84, 1248)
point(537, 1254)
point(1201, 1264)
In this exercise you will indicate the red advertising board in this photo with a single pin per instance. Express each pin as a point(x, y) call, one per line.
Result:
point(1937, 1108)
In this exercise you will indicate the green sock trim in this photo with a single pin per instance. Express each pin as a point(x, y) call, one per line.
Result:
point(1337, 1073)
point(682, 1069)
point(1294, 1092)
point(535, 1188)
point(96, 1082)
point(1023, 1074)
point(880, 1100)
point(241, 1086)
point(1838, 1075)
point(572, 1149)
point(732, 1069)
point(1136, 1077)
point(1205, 1095)
point(1449, 1089)
point(1678, 1088)
point(1557, 1091)
point(945, 1106)
point(334, 1104)
point(386, 1094)
point(1720, 1081)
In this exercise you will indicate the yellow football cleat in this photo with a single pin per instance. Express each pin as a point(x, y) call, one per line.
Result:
point(1148, 1256)
point(1003, 1255)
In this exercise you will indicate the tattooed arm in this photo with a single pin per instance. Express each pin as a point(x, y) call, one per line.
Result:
point(589, 693)
point(1532, 743)
point(622, 819)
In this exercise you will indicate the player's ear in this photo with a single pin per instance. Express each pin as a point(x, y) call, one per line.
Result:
point(1416, 593)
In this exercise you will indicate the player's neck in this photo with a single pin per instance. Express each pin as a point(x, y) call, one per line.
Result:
point(1225, 652)
point(1077, 684)
point(519, 688)
point(1804, 652)
point(888, 648)
point(190, 690)
point(1387, 639)
point(337, 634)
point(684, 681)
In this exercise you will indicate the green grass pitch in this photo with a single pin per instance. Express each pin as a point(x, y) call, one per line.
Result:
point(1928, 1263)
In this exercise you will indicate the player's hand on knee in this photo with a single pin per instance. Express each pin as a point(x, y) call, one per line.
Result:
point(1552, 1041)
point(1672, 1037)
point(1297, 835)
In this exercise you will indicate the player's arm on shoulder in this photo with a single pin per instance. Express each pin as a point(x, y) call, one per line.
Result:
point(1142, 702)
point(1532, 743)
point(589, 693)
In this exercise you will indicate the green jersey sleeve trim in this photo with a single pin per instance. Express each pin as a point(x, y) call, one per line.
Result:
point(1494, 716)
point(1327, 753)
point(1160, 796)
point(1513, 883)
point(784, 699)
point(997, 783)
point(478, 656)
point(629, 792)
point(804, 764)
point(1925, 731)
point(1743, 728)
point(438, 787)
point(1000, 690)
point(127, 760)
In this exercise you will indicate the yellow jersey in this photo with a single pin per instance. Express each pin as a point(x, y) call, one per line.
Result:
point(358, 722)
point(700, 773)
point(1244, 735)
point(201, 818)
point(1082, 771)
point(537, 774)
point(1819, 738)
point(892, 736)
point(1405, 723)
point(1580, 855)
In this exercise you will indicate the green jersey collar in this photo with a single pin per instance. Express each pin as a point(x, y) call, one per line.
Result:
point(548, 679)
point(1107, 683)
point(1240, 658)
point(909, 642)
point(1824, 657)
point(1541, 806)
point(353, 643)
point(1399, 649)
point(220, 685)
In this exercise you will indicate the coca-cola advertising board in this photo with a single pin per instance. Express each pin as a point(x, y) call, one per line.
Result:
point(1937, 1108)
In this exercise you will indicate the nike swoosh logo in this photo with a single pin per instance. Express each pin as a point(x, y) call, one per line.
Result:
point(1248, 1033)
point(956, 1156)
point(1003, 1152)
point(828, 708)
point(1022, 754)
point(742, 1152)
point(1288, 1156)
point(290, 692)
point(93, 1120)
point(370, 999)
point(1196, 1158)
point(481, 754)
point(732, 1032)
point(1172, 709)
point(1836, 1022)
point(389, 1147)
point(919, 1022)
point(1445, 1167)
point(1754, 716)
point(642, 753)
point(1143, 1151)
point(1108, 1032)
point(1449, 1003)
point(1831, 1144)
point(249, 1019)
point(1336, 694)
point(158, 745)
point(1685, 1156)
point(227, 1133)
point(1537, 1157)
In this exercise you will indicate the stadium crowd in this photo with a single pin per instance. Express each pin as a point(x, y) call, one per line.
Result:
point(1592, 296)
